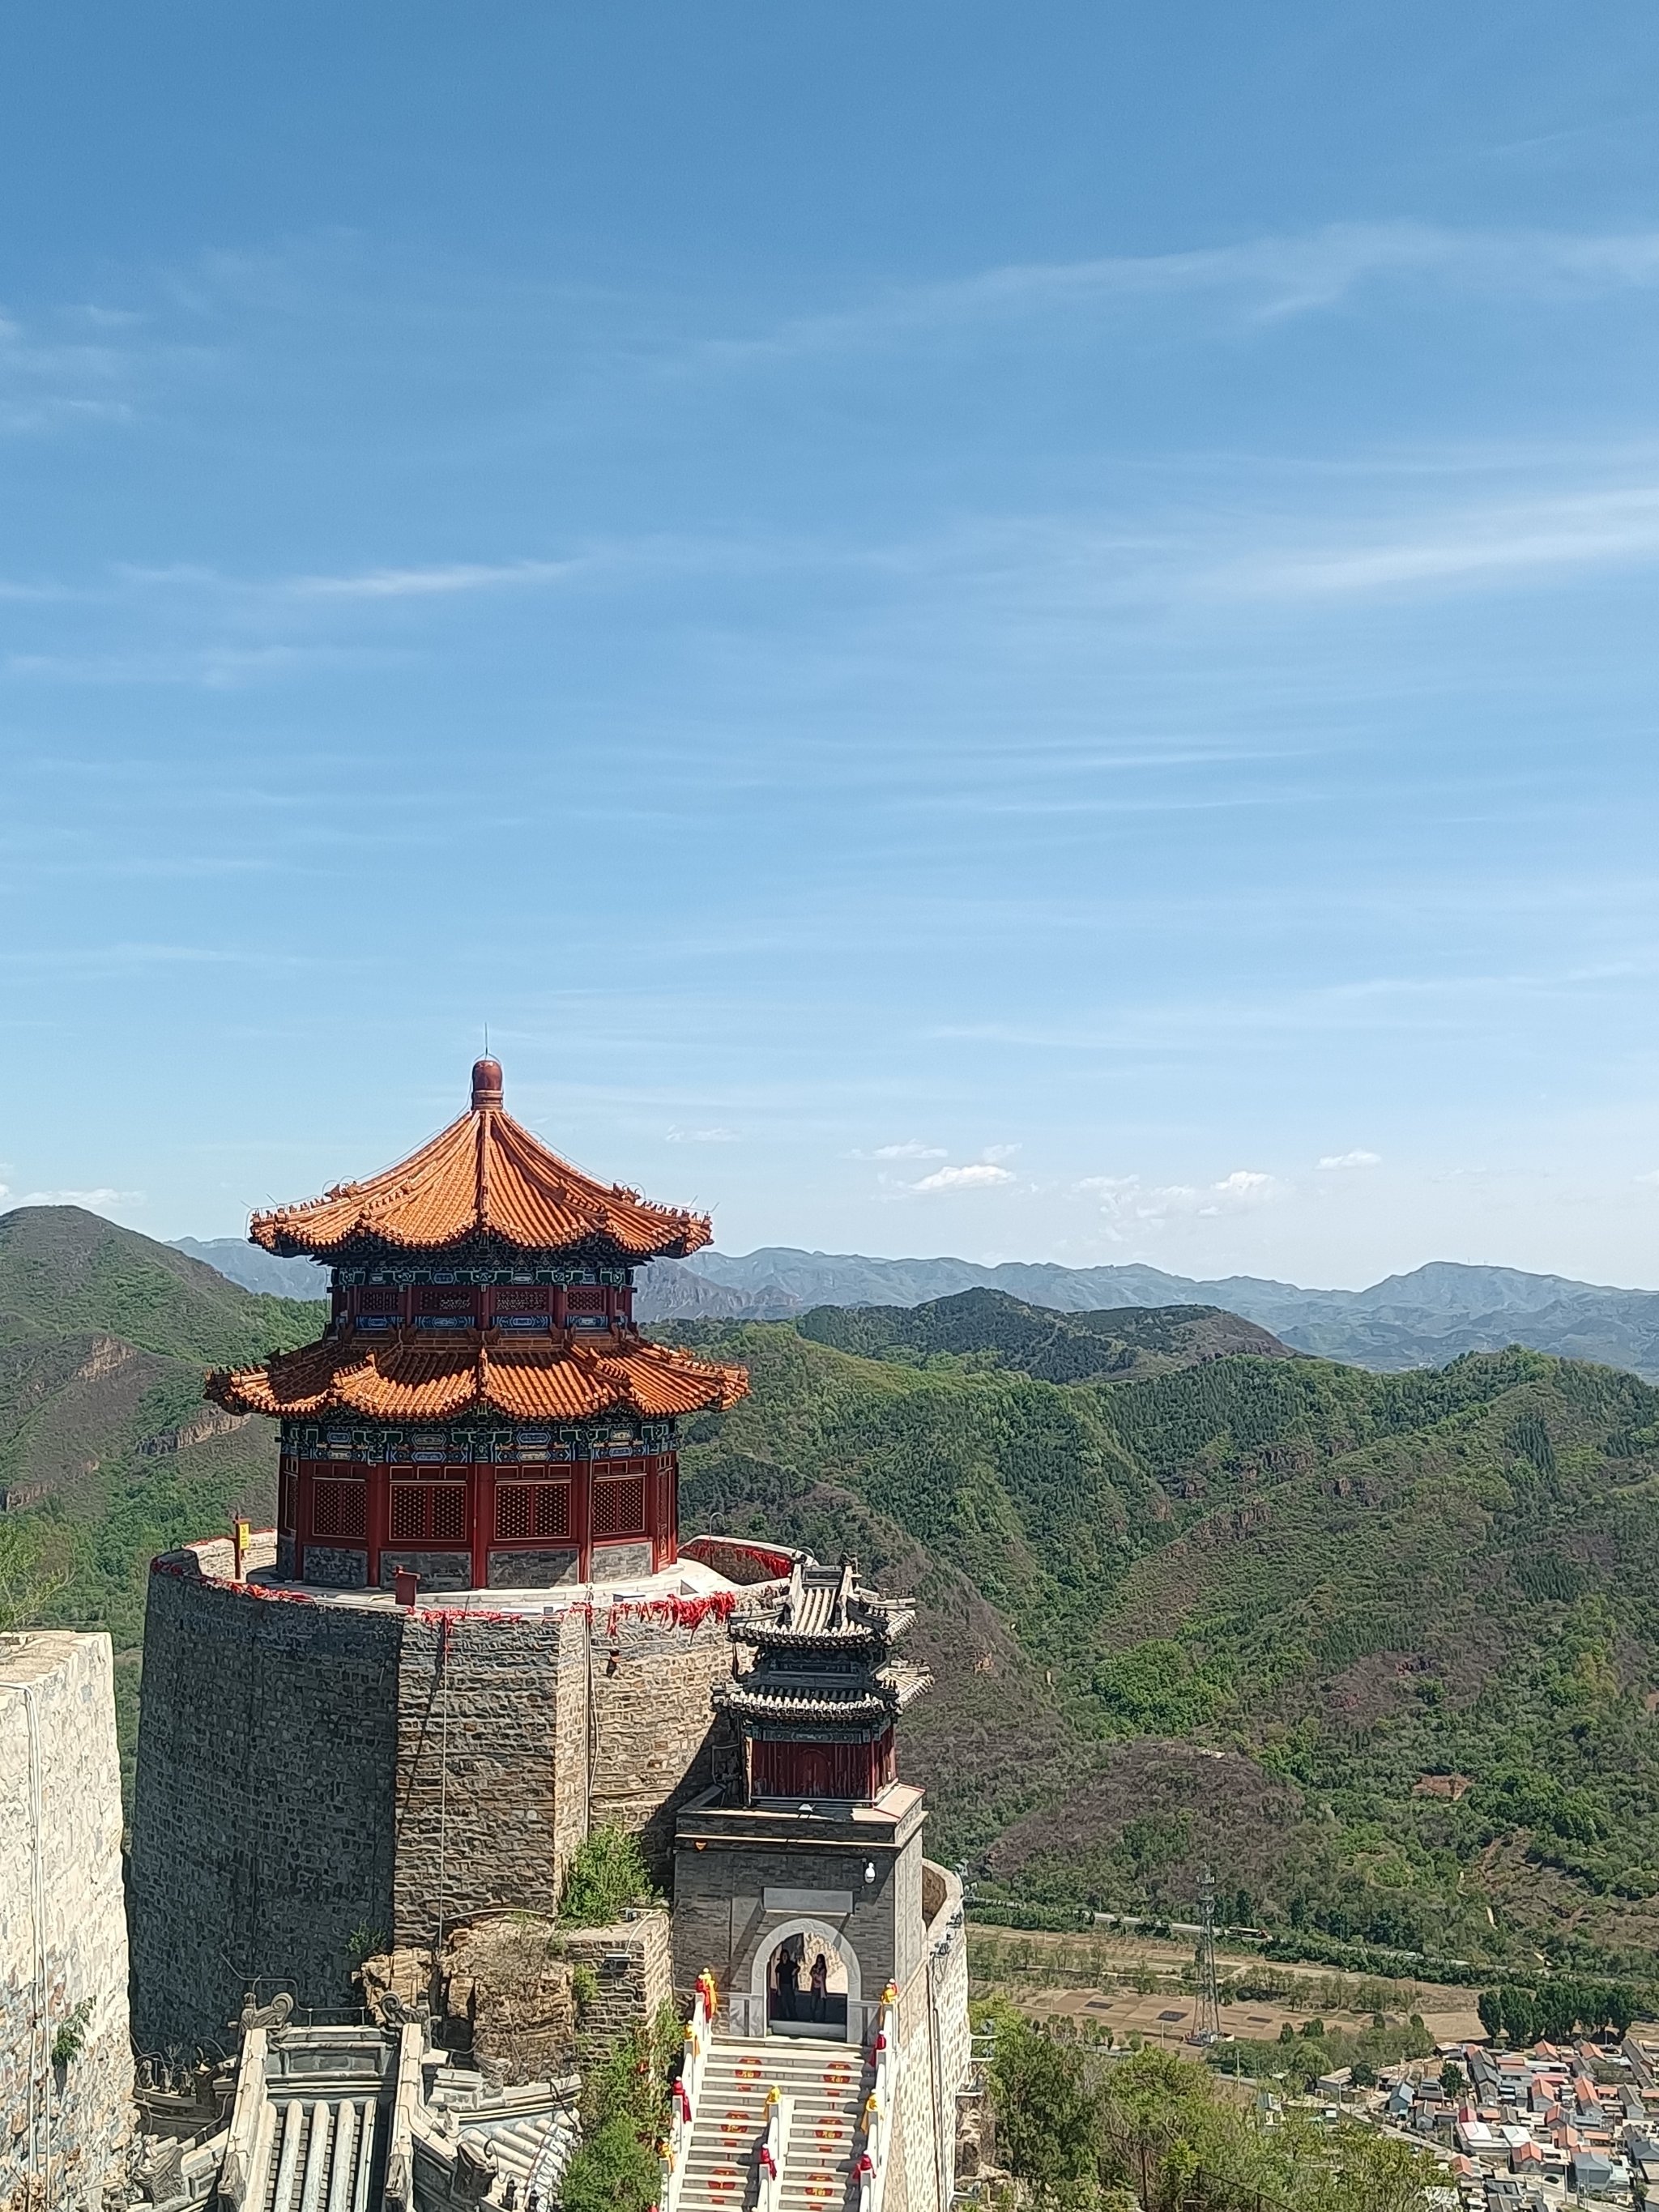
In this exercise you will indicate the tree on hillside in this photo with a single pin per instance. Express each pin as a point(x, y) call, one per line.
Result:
point(1047, 2119)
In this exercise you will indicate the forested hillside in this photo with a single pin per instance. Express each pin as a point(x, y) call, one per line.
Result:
point(107, 1452)
point(1403, 1626)
point(1380, 1648)
point(1128, 1343)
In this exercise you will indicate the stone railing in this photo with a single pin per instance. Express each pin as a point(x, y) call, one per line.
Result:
point(773, 2149)
point(685, 2094)
point(880, 2106)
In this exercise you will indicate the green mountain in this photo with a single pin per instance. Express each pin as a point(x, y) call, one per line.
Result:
point(1380, 1648)
point(107, 1452)
point(1124, 1343)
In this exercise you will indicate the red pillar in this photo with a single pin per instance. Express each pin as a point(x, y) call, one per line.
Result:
point(581, 1516)
point(482, 1489)
point(379, 1509)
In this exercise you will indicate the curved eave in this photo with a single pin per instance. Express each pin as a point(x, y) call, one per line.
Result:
point(483, 1176)
point(277, 1233)
point(405, 1382)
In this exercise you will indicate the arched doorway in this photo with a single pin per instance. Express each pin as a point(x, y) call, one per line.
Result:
point(806, 1982)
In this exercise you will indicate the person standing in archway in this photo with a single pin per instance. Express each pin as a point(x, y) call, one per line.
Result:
point(788, 1982)
point(820, 1986)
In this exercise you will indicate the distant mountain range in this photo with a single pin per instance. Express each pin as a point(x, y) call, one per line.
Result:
point(256, 1269)
point(1419, 1320)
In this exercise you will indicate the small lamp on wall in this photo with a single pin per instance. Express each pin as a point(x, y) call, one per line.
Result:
point(869, 1869)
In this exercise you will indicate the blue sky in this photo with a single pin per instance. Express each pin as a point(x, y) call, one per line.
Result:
point(1025, 632)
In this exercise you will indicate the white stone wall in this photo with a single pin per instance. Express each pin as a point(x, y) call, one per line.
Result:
point(935, 2039)
point(61, 1909)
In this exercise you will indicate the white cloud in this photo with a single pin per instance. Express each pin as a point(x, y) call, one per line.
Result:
point(1352, 1160)
point(1651, 1179)
point(702, 1137)
point(999, 1151)
point(978, 1174)
point(911, 1150)
point(1243, 1182)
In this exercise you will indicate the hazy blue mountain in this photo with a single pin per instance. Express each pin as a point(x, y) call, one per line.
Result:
point(1421, 1319)
point(255, 1269)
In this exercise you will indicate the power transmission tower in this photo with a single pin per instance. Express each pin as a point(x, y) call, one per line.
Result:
point(1209, 1991)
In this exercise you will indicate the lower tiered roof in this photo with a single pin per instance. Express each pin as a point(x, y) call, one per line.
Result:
point(402, 1381)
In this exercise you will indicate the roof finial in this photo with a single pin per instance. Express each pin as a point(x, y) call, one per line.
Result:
point(486, 1082)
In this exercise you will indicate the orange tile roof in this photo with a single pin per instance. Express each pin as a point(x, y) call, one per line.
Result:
point(404, 1382)
point(484, 1175)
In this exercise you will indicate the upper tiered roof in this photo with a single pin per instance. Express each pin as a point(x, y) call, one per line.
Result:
point(484, 1176)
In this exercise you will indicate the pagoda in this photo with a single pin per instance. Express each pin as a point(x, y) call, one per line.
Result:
point(817, 1709)
point(481, 1412)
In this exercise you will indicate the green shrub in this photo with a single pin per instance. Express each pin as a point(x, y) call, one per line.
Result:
point(612, 2172)
point(70, 2039)
point(607, 1872)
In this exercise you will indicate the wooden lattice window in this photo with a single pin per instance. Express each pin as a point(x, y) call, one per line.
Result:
point(524, 1306)
point(429, 1512)
point(380, 1299)
point(287, 1487)
point(584, 1302)
point(528, 1509)
point(619, 1506)
point(445, 1301)
point(339, 1508)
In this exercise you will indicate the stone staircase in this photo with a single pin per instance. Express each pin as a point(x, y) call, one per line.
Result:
point(825, 2083)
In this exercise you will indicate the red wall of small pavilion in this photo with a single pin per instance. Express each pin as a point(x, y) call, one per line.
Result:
point(857, 1772)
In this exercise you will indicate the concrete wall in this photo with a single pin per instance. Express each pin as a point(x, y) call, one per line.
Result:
point(61, 1911)
point(314, 1778)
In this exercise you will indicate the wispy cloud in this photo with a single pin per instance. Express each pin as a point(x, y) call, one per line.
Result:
point(1128, 1202)
point(1617, 524)
point(1268, 278)
point(101, 1197)
point(1352, 1160)
point(912, 1149)
point(441, 580)
point(702, 1137)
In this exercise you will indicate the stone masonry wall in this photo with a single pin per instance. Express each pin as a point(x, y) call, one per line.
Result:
point(60, 1820)
point(652, 1715)
point(490, 1802)
point(318, 1779)
point(631, 1961)
point(723, 1925)
point(261, 1831)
